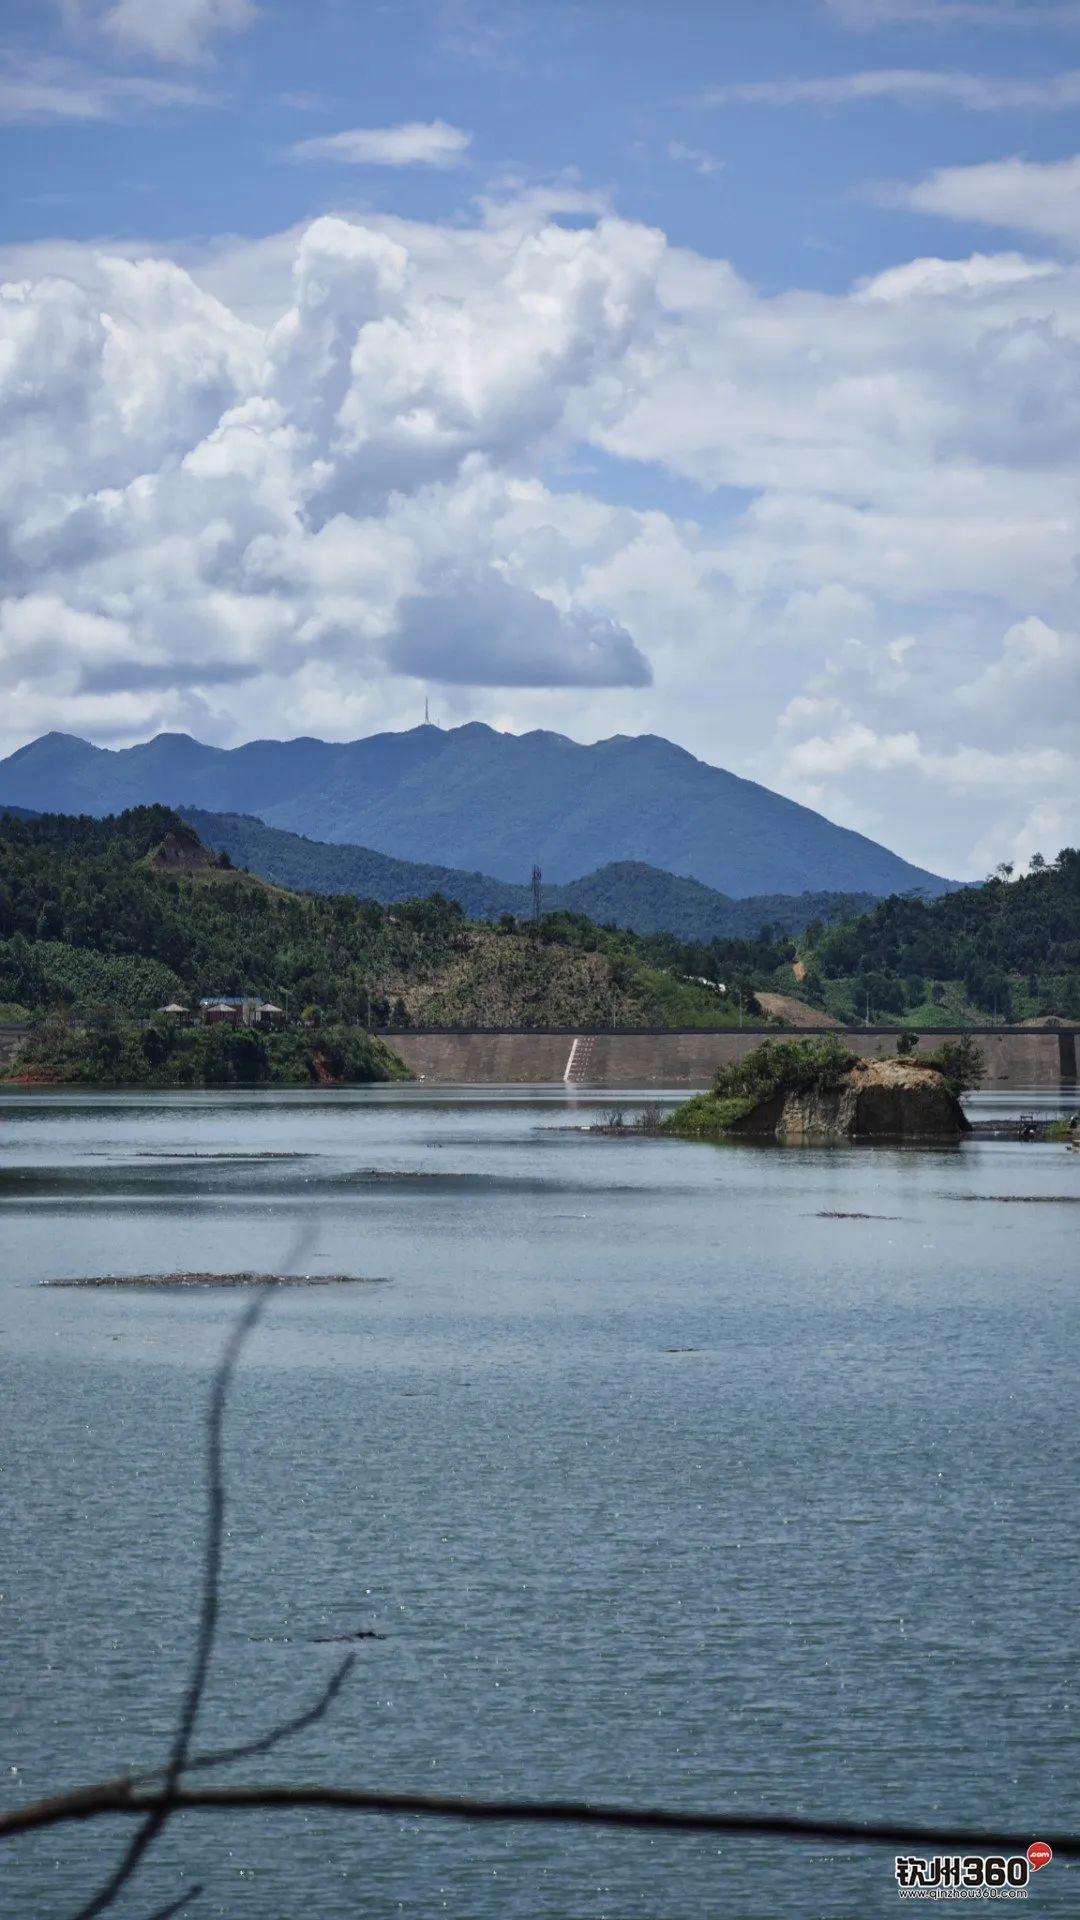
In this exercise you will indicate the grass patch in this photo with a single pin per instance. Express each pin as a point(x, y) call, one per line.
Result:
point(670, 1002)
point(706, 1117)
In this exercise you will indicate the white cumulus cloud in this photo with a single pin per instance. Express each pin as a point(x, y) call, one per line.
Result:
point(278, 485)
point(180, 30)
point(1028, 196)
point(414, 143)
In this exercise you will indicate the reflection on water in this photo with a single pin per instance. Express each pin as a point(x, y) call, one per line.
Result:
point(723, 1477)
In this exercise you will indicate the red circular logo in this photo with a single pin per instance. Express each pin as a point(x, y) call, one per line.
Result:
point(1039, 1855)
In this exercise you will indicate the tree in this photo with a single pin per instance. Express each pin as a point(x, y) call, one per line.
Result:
point(157, 1044)
point(106, 1036)
point(961, 1062)
point(247, 1056)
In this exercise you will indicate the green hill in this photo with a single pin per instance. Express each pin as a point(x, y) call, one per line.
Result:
point(108, 920)
point(134, 910)
point(625, 894)
point(1009, 950)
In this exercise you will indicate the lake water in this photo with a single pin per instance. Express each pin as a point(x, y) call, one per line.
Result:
point(663, 1485)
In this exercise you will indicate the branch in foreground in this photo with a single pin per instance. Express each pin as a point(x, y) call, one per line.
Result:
point(209, 1608)
point(175, 1906)
point(264, 1742)
point(93, 1802)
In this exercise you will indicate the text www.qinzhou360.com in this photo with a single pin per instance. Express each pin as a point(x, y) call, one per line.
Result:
point(969, 1876)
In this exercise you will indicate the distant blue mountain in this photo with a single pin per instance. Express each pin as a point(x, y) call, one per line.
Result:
point(490, 802)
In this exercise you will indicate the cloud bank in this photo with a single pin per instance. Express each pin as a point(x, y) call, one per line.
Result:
point(41, 90)
point(285, 485)
point(909, 86)
point(174, 30)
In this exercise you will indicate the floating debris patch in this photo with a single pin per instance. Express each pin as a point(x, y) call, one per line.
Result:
point(1017, 1199)
point(222, 1280)
point(828, 1214)
point(359, 1633)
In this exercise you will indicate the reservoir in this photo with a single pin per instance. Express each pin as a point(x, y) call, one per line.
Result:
point(737, 1478)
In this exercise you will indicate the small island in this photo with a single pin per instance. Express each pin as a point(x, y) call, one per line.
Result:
point(818, 1092)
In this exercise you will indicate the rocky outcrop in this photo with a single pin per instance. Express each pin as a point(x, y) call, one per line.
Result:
point(181, 852)
point(887, 1100)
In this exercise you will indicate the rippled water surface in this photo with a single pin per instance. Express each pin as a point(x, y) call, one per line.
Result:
point(740, 1478)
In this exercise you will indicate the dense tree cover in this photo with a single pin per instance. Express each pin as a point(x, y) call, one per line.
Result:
point(739, 965)
point(106, 1050)
point(961, 1062)
point(785, 1066)
point(626, 893)
point(134, 911)
point(50, 973)
point(81, 886)
point(984, 937)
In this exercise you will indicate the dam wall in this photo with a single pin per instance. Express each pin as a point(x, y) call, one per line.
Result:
point(1021, 1057)
point(1016, 1057)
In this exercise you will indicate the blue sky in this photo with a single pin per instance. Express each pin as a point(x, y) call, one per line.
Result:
point(603, 87)
point(714, 368)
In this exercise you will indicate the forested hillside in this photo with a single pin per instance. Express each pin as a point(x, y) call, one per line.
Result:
point(625, 894)
point(134, 911)
point(1009, 950)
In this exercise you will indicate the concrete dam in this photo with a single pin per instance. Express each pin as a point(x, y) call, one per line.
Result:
point(1015, 1057)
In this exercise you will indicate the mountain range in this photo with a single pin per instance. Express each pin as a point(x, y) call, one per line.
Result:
point(627, 893)
point(475, 799)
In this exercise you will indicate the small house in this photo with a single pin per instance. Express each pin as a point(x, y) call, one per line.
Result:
point(217, 1013)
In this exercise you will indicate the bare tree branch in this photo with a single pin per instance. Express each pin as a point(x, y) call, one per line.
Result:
point(166, 1913)
point(118, 1798)
point(265, 1743)
point(208, 1613)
